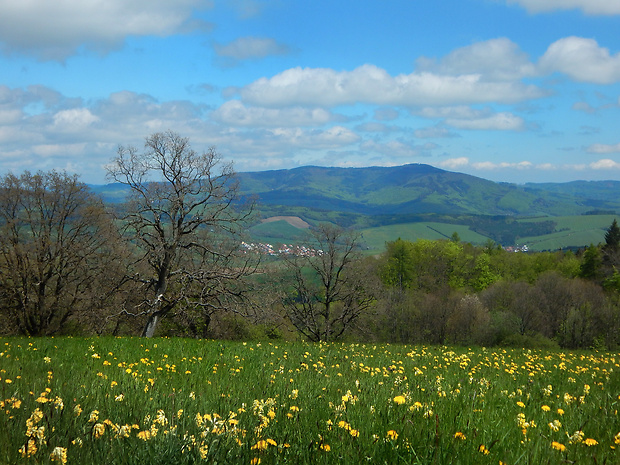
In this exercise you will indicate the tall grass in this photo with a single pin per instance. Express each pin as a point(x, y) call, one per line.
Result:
point(137, 401)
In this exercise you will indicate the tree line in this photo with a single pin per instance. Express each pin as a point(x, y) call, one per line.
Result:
point(168, 262)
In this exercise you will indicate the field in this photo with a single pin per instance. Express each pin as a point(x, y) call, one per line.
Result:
point(160, 401)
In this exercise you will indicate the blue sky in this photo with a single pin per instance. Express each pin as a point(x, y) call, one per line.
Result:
point(508, 90)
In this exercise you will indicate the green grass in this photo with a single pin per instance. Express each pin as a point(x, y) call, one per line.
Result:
point(375, 238)
point(571, 231)
point(188, 401)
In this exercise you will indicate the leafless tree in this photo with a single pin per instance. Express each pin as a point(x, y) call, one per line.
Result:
point(184, 218)
point(55, 243)
point(326, 301)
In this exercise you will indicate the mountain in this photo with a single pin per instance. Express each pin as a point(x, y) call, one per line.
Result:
point(417, 189)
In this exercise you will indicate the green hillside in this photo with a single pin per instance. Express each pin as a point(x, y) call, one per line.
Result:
point(420, 201)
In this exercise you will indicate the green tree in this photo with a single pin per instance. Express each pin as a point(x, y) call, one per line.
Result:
point(591, 263)
point(612, 237)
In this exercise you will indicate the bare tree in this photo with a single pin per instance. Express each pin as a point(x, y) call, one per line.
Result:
point(183, 218)
point(55, 243)
point(324, 303)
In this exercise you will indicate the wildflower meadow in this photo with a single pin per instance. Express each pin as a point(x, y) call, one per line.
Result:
point(162, 401)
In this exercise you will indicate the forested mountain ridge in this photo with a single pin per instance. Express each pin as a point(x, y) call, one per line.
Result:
point(414, 189)
point(418, 189)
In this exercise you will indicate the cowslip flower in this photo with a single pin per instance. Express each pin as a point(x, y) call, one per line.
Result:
point(59, 454)
point(98, 430)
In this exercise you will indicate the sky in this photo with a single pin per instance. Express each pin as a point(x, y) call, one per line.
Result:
point(507, 90)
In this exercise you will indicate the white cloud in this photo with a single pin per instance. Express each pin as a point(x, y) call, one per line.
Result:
point(496, 122)
point(496, 59)
point(245, 48)
point(236, 113)
point(584, 106)
point(454, 163)
point(605, 164)
point(489, 165)
point(75, 119)
point(604, 148)
point(590, 7)
point(370, 84)
point(54, 30)
point(582, 60)
point(464, 117)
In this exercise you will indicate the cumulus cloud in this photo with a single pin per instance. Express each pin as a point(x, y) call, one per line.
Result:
point(236, 113)
point(54, 30)
point(604, 148)
point(489, 165)
point(497, 122)
point(605, 164)
point(590, 7)
point(454, 163)
point(465, 117)
point(245, 48)
point(582, 60)
point(496, 59)
point(373, 85)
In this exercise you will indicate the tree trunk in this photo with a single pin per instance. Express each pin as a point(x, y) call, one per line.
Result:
point(151, 324)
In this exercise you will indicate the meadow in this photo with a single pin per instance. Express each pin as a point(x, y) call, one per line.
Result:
point(160, 401)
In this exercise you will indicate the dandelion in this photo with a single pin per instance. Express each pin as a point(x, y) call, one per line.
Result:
point(546, 408)
point(521, 404)
point(355, 433)
point(560, 411)
point(483, 450)
point(59, 454)
point(326, 447)
point(400, 400)
point(590, 442)
point(260, 445)
point(558, 446)
point(392, 435)
point(460, 436)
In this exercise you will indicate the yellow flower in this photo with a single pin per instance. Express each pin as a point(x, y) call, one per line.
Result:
point(255, 461)
point(325, 447)
point(400, 400)
point(260, 445)
point(391, 434)
point(144, 435)
point(94, 416)
point(560, 411)
point(546, 408)
point(483, 450)
point(460, 436)
point(590, 442)
point(98, 430)
point(355, 433)
point(521, 404)
point(59, 454)
point(558, 446)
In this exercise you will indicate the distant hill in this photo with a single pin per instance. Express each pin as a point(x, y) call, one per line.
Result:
point(416, 189)
point(413, 201)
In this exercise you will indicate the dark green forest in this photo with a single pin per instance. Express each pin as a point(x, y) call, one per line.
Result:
point(169, 262)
